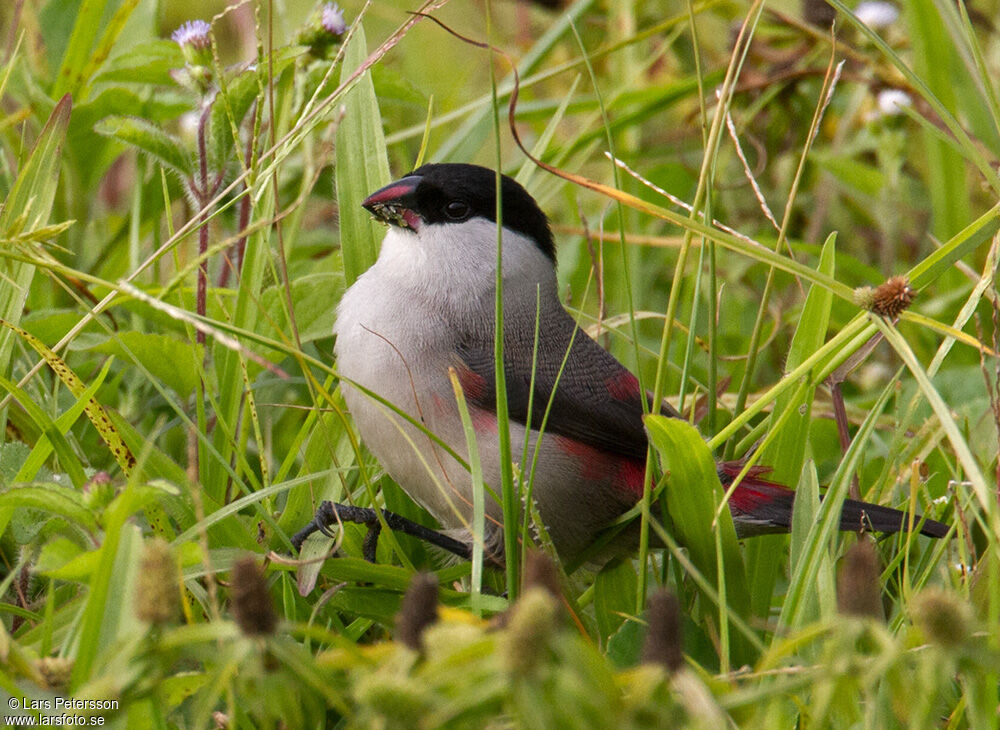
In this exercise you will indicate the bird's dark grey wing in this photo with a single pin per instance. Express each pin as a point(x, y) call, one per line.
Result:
point(597, 400)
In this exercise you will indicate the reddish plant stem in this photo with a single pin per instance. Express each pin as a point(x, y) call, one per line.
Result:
point(202, 192)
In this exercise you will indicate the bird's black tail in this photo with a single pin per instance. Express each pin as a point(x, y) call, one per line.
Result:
point(857, 515)
point(761, 506)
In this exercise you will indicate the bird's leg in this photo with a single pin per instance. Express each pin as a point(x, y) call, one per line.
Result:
point(370, 545)
point(331, 513)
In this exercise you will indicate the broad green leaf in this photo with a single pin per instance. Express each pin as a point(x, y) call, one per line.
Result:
point(93, 152)
point(229, 109)
point(149, 62)
point(614, 596)
point(12, 457)
point(151, 139)
point(694, 494)
point(362, 164)
point(167, 358)
point(354, 570)
point(624, 647)
point(107, 608)
point(64, 559)
point(52, 499)
point(311, 298)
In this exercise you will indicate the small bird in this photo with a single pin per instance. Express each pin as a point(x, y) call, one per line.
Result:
point(427, 305)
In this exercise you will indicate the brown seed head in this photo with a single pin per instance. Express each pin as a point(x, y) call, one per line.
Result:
point(858, 590)
point(157, 596)
point(418, 610)
point(252, 606)
point(887, 300)
point(540, 570)
point(819, 13)
point(56, 671)
point(533, 620)
point(663, 636)
point(943, 617)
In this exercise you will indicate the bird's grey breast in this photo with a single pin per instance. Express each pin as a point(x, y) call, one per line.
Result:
point(391, 341)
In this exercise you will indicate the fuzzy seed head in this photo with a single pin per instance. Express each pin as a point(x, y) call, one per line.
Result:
point(858, 590)
point(663, 635)
point(528, 631)
point(157, 597)
point(401, 700)
point(252, 606)
point(540, 570)
point(863, 297)
point(418, 610)
point(56, 671)
point(819, 13)
point(890, 299)
point(943, 618)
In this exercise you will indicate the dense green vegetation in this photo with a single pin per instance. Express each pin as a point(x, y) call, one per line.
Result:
point(181, 218)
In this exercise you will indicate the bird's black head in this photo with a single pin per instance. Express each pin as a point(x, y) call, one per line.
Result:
point(453, 193)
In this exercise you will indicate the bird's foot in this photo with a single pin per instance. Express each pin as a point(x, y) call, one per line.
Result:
point(332, 513)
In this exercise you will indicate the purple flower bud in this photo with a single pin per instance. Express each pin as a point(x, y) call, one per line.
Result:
point(332, 19)
point(196, 47)
point(193, 33)
point(323, 30)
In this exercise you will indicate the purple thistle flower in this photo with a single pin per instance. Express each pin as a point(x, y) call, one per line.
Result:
point(193, 33)
point(323, 30)
point(332, 19)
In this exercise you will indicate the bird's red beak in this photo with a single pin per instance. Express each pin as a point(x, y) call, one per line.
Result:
point(396, 203)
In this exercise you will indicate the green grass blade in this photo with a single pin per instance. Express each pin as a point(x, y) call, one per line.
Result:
point(81, 41)
point(935, 62)
point(943, 412)
point(52, 434)
point(28, 206)
point(478, 489)
point(786, 452)
point(362, 164)
point(40, 453)
point(813, 552)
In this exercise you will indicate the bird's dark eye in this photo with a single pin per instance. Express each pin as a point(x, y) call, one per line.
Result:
point(456, 210)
